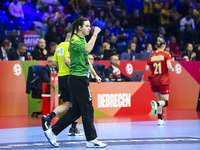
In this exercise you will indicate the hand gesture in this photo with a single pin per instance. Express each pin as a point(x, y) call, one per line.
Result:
point(98, 78)
point(97, 30)
point(193, 55)
point(171, 69)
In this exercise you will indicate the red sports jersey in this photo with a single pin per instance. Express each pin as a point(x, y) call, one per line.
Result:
point(159, 71)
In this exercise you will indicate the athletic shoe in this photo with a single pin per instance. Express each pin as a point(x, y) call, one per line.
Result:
point(75, 132)
point(154, 108)
point(45, 122)
point(51, 137)
point(160, 122)
point(95, 144)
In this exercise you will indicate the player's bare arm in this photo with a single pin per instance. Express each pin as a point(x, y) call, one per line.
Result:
point(169, 66)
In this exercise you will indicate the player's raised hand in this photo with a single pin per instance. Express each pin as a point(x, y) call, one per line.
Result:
point(97, 30)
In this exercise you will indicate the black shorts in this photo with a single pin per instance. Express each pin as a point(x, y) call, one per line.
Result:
point(64, 88)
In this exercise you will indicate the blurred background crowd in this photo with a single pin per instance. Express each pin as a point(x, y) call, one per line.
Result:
point(128, 26)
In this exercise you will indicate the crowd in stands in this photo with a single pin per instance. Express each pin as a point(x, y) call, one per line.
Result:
point(177, 21)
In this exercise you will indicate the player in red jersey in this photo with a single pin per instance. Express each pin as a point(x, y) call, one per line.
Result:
point(159, 63)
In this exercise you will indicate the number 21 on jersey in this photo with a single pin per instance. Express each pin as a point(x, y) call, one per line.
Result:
point(157, 67)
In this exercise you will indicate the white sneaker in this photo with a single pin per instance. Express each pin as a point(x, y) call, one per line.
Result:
point(154, 108)
point(160, 122)
point(51, 137)
point(95, 144)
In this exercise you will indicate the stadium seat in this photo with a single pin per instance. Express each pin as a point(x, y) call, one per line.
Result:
point(2, 12)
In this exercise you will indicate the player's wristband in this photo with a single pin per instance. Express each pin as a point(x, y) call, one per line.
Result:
point(95, 35)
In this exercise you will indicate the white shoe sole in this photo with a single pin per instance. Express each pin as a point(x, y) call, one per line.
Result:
point(96, 146)
point(49, 140)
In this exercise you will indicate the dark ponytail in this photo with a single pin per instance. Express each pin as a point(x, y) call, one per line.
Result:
point(73, 27)
point(77, 23)
point(160, 42)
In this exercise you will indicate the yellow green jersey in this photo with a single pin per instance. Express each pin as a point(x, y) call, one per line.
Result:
point(61, 52)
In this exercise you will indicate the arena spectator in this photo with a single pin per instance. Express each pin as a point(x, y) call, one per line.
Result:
point(123, 19)
point(42, 4)
point(88, 7)
point(61, 27)
point(167, 49)
point(74, 7)
point(197, 51)
point(16, 10)
point(51, 35)
point(175, 16)
point(165, 14)
point(52, 49)
point(174, 49)
point(184, 8)
point(45, 74)
point(108, 11)
point(113, 42)
point(113, 9)
point(187, 28)
point(161, 33)
point(158, 5)
point(196, 12)
point(193, 3)
point(171, 4)
point(60, 13)
point(30, 11)
point(135, 19)
point(20, 53)
point(165, 19)
point(141, 38)
point(100, 20)
point(109, 27)
point(131, 50)
point(188, 52)
point(105, 36)
point(46, 25)
point(5, 50)
point(91, 17)
point(114, 63)
point(48, 13)
point(148, 13)
point(118, 31)
point(40, 53)
point(148, 48)
point(134, 39)
point(105, 46)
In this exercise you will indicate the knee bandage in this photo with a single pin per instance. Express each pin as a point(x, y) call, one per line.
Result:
point(166, 103)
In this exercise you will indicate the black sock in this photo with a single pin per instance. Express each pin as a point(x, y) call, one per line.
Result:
point(158, 104)
point(160, 116)
point(74, 125)
point(52, 115)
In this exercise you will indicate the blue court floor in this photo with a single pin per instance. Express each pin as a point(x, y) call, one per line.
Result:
point(144, 135)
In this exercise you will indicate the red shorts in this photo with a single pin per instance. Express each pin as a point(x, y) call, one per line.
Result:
point(162, 89)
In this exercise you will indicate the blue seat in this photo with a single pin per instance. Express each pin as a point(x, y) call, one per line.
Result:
point(29, 23)
point(33, 73)
point(3, 17)
point(2, 12)
point(31, 84)
point(20, 22)
point(9, 22)
point(6, 3)
point(101, 68)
